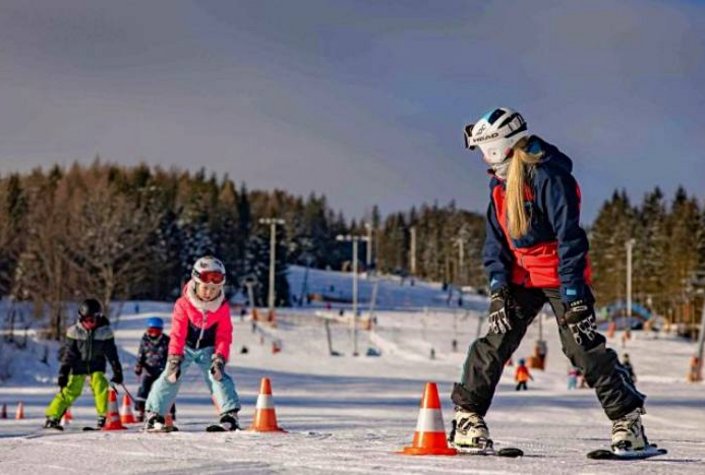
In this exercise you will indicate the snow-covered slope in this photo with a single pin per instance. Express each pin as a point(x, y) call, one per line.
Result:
point(350, 414)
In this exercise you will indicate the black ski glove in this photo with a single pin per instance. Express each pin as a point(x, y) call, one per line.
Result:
point(173, 368)
point(63, 380)
point(138, 369)
point(217, 366)
point(500, 310)
point(117, 376)
point(580, 319)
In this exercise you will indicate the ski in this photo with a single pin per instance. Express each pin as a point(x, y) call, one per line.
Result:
point(164, 430)
point(488, 449)
point(219, 428)
point(648, 452)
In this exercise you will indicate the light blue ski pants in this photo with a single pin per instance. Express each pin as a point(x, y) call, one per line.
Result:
point(163, 393)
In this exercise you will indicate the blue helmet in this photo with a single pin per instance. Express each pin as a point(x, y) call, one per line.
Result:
point(522, 361)
point(155, 322)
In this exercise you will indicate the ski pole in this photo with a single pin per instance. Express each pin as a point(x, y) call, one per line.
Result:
point(126, 391)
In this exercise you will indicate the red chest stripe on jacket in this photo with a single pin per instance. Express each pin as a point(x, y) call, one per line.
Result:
point(537, 265)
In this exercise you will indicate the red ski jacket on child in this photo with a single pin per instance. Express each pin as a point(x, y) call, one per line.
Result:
point(522, 374)
point(198, 324)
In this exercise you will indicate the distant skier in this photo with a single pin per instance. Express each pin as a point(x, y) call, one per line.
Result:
point(536, 252)
point(573, 374)
point(628, 366)
point(201, 333)
point(522, 375)
point(89, 343)
point(151, 361)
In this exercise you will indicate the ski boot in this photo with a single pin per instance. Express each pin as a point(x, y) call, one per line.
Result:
point(155, 423)
point(100, 423)
point(469, 432)
point(53, 423)
point(628, 433)
point(228, 422)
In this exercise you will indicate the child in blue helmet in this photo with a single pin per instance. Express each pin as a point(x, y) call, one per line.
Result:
point(151, 361)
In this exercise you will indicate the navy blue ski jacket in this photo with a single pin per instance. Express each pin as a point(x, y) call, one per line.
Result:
point(554, 252)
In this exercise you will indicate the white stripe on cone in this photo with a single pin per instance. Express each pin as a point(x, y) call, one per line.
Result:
point(430, 420)
point(264, 401)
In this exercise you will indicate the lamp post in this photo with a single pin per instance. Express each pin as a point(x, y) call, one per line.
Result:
point(273, 222)
point(630, 246)
point(368, 257)
point(355, 240)
point(412, 251)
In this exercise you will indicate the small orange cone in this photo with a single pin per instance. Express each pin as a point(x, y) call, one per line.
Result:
point(265, 416)
point(430, 435)
point(112, 421)
point(3, 413)
point(67, 417)
point(20, 411)
point(126, 416)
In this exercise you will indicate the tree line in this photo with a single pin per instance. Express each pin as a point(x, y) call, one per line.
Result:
point(668, 257)
point(121, 233)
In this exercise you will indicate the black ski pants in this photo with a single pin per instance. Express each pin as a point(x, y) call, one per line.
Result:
point(487, 356)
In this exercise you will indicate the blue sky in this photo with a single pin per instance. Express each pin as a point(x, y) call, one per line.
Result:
point(361, 100)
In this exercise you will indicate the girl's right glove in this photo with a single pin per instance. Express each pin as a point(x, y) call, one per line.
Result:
point(217, 365)
point(173, 368)
point(500, 310)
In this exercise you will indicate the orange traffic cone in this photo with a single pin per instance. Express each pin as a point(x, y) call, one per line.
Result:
point(430, 435)
point(3, 413)
point(20, 411)
point(126, 416)
point(112, 421)
point(67, 417)
point(265, 416)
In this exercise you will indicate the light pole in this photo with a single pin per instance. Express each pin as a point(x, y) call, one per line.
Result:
point(630, 246)
point(412, 251)
point(354, 240)
point(461, 260)
point(273, 222)
point(368, 257)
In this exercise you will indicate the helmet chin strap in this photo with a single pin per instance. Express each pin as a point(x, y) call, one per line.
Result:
point(502, 169)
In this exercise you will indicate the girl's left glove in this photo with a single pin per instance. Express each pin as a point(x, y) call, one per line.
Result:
point(580, 319)
point(217, 367)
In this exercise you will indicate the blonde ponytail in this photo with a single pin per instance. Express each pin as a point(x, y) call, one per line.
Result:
point(517, 219)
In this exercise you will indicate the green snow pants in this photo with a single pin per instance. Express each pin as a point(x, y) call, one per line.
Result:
point(65, 398)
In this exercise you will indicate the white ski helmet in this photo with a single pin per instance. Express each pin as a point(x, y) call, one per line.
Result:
point(496, 133)
point(209, 270)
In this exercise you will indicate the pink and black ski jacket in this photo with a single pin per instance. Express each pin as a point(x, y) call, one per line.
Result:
point(200, 329)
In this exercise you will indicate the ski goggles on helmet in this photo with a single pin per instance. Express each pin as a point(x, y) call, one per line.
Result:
point(468, 137)
point(210, 277)
point(89, 322)
point(154, 332)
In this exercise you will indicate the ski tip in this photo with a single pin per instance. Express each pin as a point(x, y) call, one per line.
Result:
point(604, 454)
point(510, 452)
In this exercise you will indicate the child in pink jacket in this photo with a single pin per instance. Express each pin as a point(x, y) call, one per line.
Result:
point(201, 334)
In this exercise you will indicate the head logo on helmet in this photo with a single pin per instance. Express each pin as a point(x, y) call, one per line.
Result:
point(496, 133)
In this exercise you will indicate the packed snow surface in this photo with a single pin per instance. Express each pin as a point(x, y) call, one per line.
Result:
point(347, 414)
